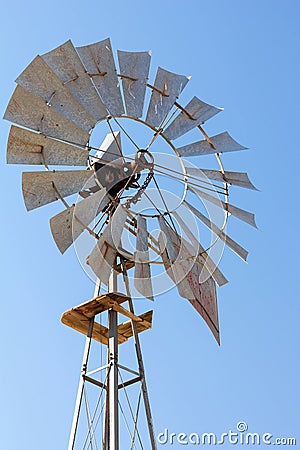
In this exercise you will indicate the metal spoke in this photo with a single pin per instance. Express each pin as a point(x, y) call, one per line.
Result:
point(127, 134)
point(165, 204)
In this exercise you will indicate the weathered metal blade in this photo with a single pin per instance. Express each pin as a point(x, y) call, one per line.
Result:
point(135, 68)
point(241, 214)
point(198, 113)
point(27, 147)
point(222, 143)
point(111, 148)
point(238, 249)
point(40, 188)
point(68, 225)
point(235, 178)
point(182, 286)
point(177, 260)
point(65, 62)
point(142, 271)
point(30, 111)
point(103, 256)
point(39, 79)
point(205, 300)
point(99, 61)
point(168, 86)
point(195, 249)
point(172, 251)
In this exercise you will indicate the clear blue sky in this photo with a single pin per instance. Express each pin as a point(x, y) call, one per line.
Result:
point(243, 56)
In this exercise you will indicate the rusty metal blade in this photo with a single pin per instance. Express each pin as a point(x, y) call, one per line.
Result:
point(176, 258)
point(65, 62)
point(175, 272)
point(172, 251)
point(142, 271)
point(99, 61)
point(235, 178)
point(222, 142)
point(198, 113)
point(168, 86)
point(238, 249)
point(40, 80)
point(68, 225)
point(205, 300)
point(135, 66)
point(103, 256)
point(110, 149)
point(30, 111)
point(209, 267)
point(27, 147)
point(241, 214)
point(40, 188)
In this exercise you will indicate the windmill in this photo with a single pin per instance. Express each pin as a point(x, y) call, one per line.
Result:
point(137, 197)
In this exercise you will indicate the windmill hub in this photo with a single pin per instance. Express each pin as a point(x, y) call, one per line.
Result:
point(144, 159)
point(120, 175)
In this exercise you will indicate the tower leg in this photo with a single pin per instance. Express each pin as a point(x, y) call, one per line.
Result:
point(113, 381)
point(113, 404)
point(106, 409)
point(143, 379)
point(81, 386)
point(140, 363)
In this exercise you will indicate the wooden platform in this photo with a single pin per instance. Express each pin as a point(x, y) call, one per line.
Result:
point(78, 317)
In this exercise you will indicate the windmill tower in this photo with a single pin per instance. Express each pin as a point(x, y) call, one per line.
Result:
point(137, 198)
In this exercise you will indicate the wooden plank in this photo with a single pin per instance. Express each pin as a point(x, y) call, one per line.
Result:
point(116, 307)
point(99, 304)
point(79, 322)
point(78, 317)
point(125, 329)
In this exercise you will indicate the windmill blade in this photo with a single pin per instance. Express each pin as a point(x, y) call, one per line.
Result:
point(235, 178)
point(178, 277)
point(202, 295)
point(241, 214)
point(67, 65)
point(167, 88)
point(110, 149)
point(198, 113)
point(30, 111)
point(202, 257)
point(99, 61)
point(41, 188)
point(40, 80)
point(68, 225)
point(238, 249)
point(205, 300)
point(222, 143)
point(170, 248)
point(103, 256)
point(27, 147)
point(142, 271)
point(135, 68)
point(176, 267)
